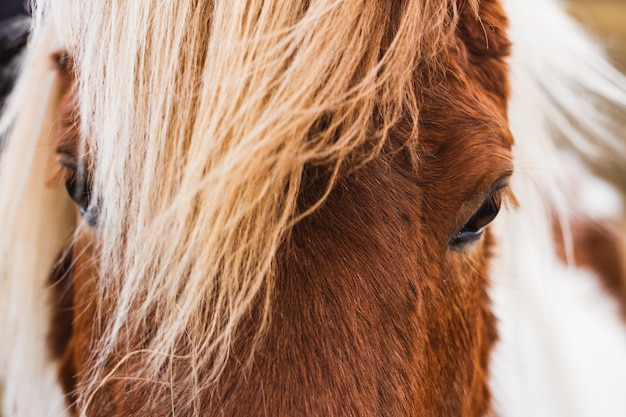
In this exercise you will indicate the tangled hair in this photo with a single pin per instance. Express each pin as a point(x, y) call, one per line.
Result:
point(200, 120)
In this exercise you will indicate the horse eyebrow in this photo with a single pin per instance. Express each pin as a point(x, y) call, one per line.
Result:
point(503, 187)
point(498, 184)
point(66, 145)
point(68, 139)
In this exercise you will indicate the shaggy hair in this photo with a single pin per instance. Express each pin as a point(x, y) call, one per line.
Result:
point(201, 120)
point(201, 145)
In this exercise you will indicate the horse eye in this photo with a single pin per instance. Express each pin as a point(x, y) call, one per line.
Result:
point(78, 186)
point(474, 228)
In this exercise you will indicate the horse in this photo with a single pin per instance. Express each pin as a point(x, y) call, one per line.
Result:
point(316, 208)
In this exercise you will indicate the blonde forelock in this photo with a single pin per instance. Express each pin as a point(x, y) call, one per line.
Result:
point(201, 117)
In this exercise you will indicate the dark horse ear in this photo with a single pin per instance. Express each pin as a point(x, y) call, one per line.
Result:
point(13, 37)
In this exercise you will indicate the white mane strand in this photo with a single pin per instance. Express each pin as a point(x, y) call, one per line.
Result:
point(563, 344)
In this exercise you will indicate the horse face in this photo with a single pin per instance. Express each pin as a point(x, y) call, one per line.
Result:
point(379, 303)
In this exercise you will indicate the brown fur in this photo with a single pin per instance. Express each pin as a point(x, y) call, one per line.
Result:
point(373, 314)
point(598, 248)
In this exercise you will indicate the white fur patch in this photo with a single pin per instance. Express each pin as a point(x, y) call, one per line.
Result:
point(562, 349)
point(563, 345)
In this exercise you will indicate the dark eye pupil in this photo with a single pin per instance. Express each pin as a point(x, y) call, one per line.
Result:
point(78, 186)
point(484, 216)
point(78, 190)
point(475, 227)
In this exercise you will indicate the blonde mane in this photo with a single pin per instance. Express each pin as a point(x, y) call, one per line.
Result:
point(200, 120)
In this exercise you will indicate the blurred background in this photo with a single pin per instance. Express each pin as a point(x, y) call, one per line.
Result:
point(607, 21)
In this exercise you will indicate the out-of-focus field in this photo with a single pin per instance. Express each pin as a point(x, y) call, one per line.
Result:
point(607, 20)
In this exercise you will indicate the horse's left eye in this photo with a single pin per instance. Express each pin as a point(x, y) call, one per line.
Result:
point(78, 186)
point(474, 228)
